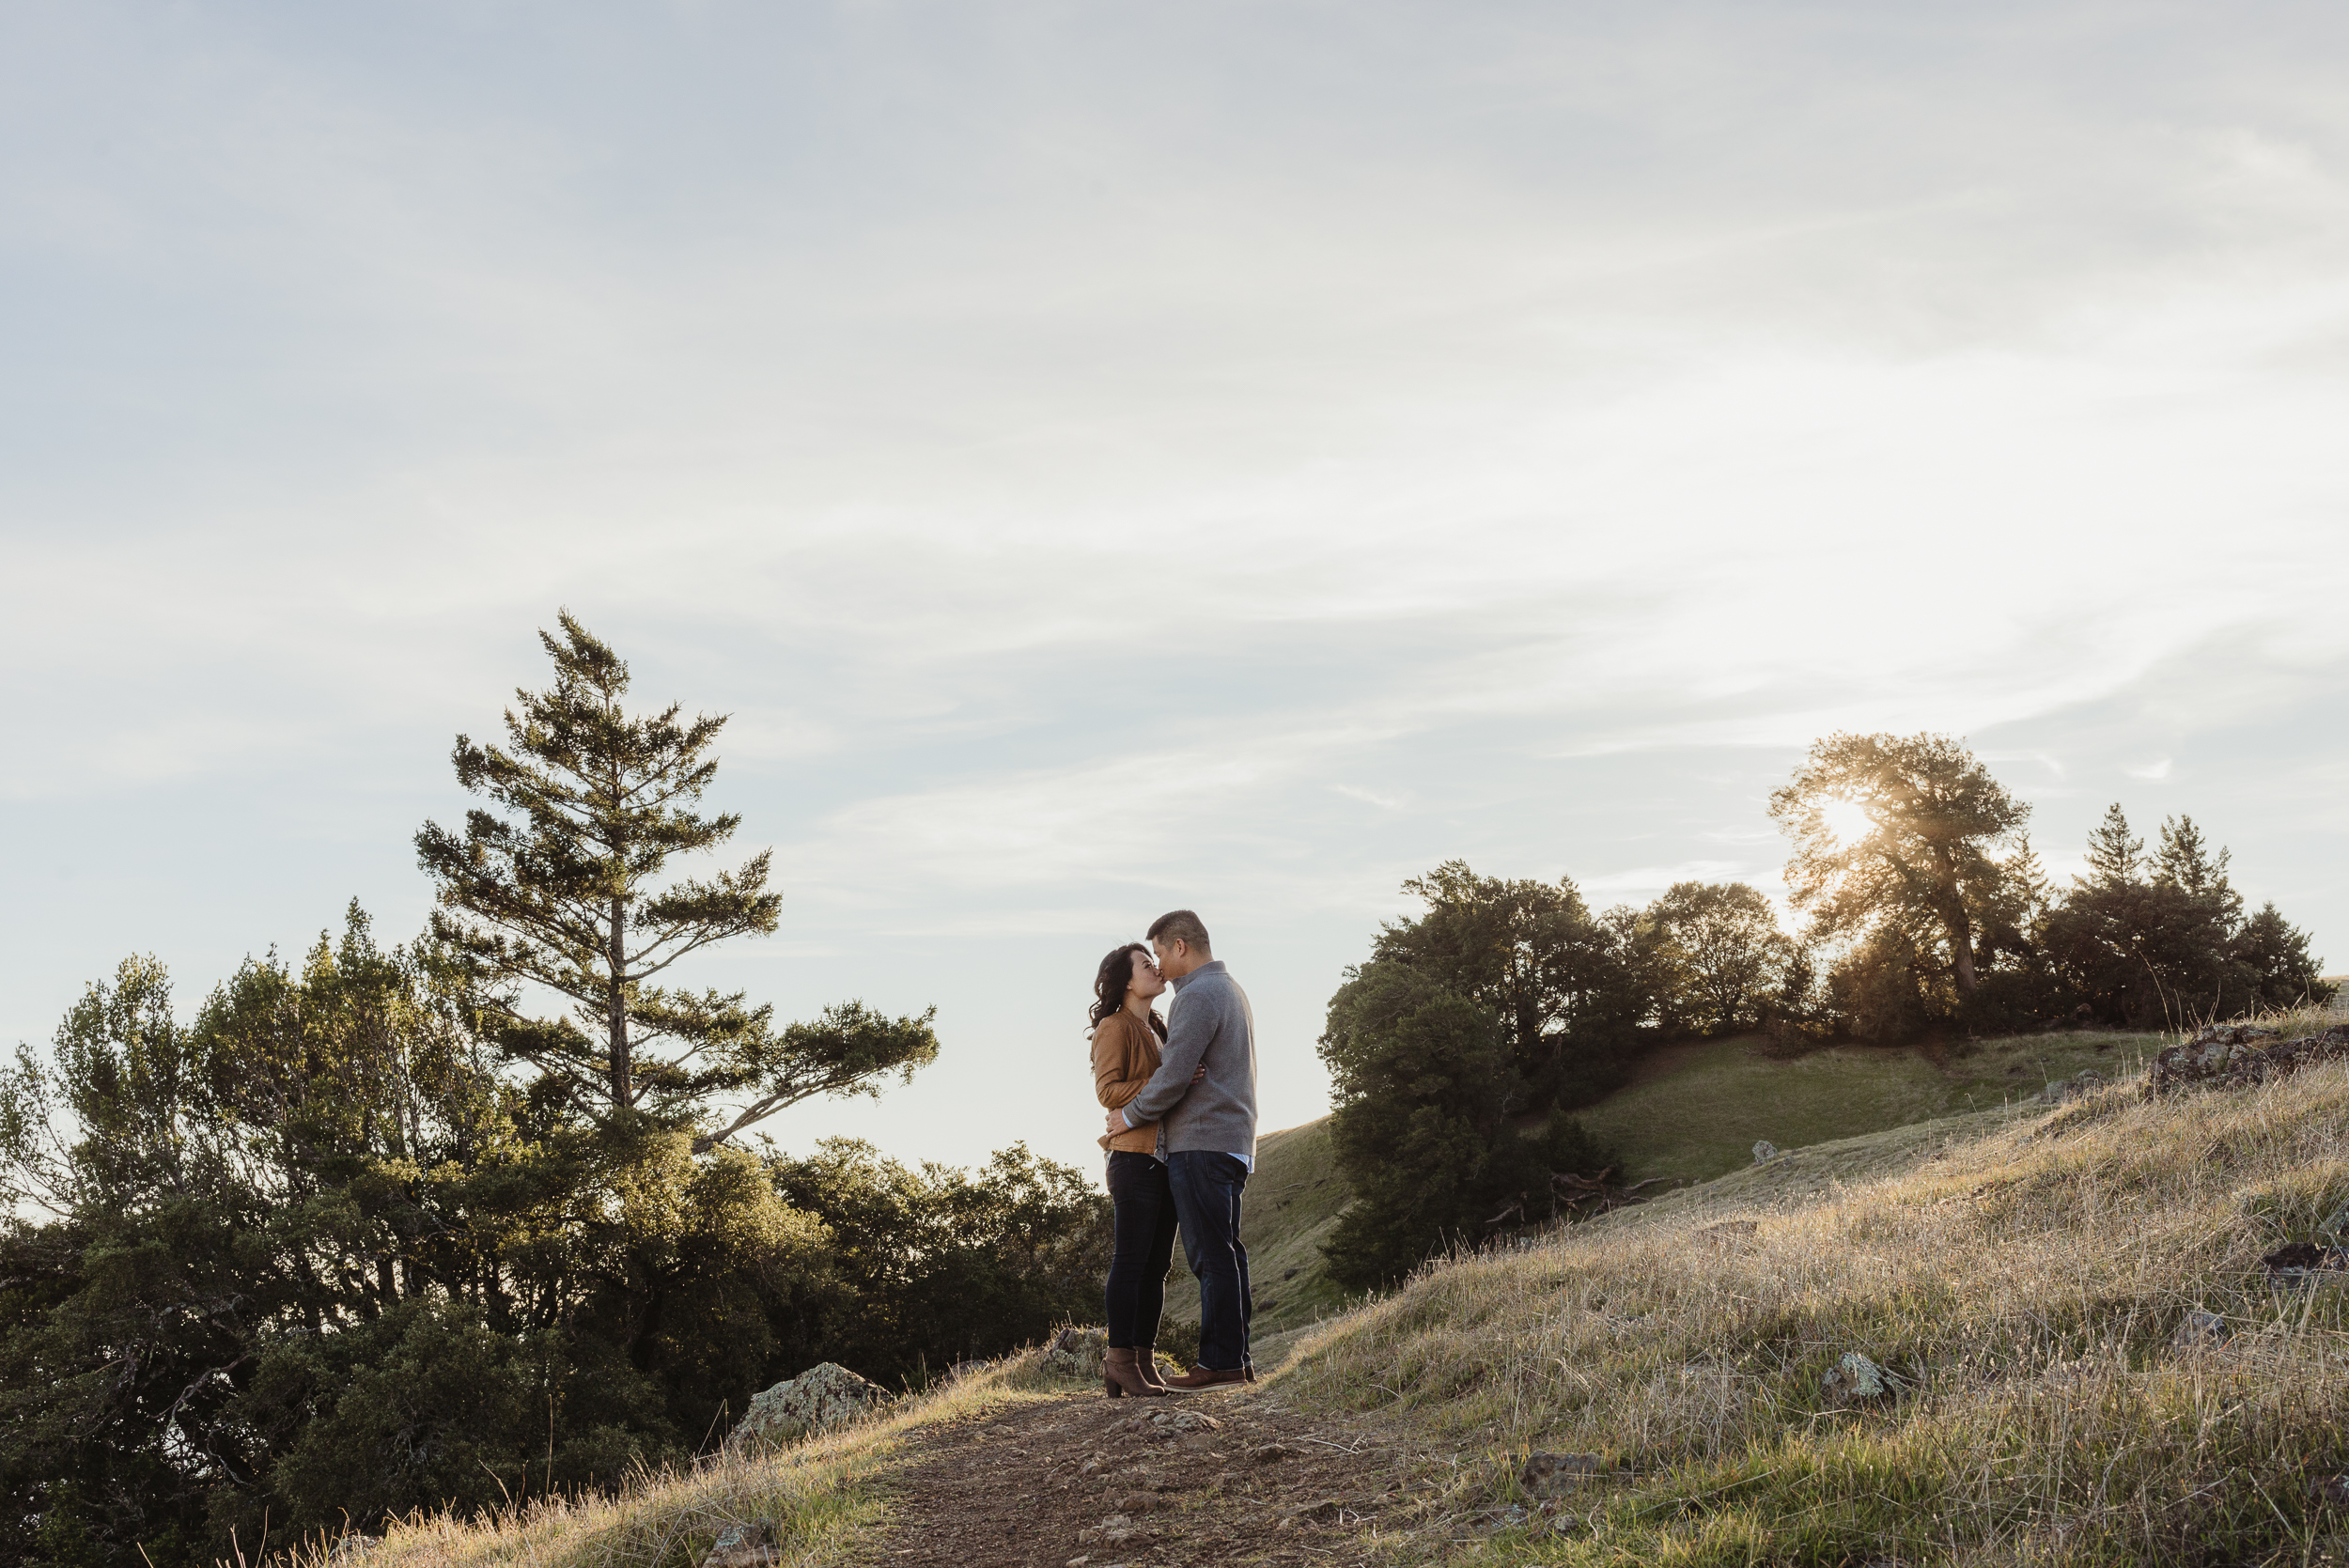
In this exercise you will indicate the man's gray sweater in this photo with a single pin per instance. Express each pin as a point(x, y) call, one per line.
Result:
point(1208, 1022)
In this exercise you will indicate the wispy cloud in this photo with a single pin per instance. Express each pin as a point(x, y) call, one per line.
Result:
point(1091, 468)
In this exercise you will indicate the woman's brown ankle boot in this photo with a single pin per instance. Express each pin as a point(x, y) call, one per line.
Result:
point(1120, 1376)
point(1146, 1363)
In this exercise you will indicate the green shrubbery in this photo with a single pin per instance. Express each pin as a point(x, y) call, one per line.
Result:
point(367, 1236)
point(314, 1259)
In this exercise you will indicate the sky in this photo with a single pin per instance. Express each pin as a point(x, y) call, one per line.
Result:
point(1109, 457)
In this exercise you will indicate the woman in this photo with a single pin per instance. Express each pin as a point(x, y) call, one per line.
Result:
point(1126, 1038)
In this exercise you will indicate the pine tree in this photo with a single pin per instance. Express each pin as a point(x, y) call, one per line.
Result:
point(2113, 856)
point(2185, 862)
point(567, 891)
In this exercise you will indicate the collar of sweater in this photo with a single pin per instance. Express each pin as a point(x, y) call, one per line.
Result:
point(1213, 965)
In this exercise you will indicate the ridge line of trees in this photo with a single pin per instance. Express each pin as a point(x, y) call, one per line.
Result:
point(1460, 1048)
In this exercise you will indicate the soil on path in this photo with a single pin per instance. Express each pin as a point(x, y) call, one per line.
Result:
point(1216, 1477)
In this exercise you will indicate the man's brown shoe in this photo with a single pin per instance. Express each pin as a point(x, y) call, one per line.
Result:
point(1207, 1377)
point(1120, 1376)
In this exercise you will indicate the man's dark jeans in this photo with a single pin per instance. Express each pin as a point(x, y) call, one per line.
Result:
point(1144, 1246)
point(1206, 1200)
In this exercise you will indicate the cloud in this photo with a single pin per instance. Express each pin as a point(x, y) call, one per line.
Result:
point(1241, 448)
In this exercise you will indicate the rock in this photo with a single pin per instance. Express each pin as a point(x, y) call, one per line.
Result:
point(2199, 1330)
point(1114, 1531)
point(1551, 1475)
point(1853, 1380)
point(1076, 1353)
point(748, 1544)
point(2304, 1264)
point(1763, 1152)
point(2231, 1056)
point(1272, 1453)
point(2070, 1089)
point(823, 1396)
point(2332, 1490)
point(1171, 1424)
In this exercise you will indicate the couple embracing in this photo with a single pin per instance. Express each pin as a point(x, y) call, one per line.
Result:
point(1181, 1097)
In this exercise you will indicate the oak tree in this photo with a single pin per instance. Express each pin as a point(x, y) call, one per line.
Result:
point(1902, 831)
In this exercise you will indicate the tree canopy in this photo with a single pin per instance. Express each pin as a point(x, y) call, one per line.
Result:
point(569, 891)
point(1903, 837)
point(1503, 999)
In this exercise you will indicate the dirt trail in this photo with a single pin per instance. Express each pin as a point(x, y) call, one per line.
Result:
point(1211, 1478)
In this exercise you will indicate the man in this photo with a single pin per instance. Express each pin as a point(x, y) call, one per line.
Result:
point(1204, 1097)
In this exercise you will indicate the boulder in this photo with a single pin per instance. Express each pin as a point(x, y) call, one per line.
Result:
point(823, 1396)
point(1855, 1380)
point(748, 1544)
point(1077, 1353)
point(2071, 1089)
point(1763, 1152)
point(2304, 1263)
point(2234, 1056)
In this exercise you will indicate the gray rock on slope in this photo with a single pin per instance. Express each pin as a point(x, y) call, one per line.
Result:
point(2071, 1089)
point(2236, 1056)
point(823, 1396)
point(1855, 1380)
point(748, 1544)
point(1763, 1152)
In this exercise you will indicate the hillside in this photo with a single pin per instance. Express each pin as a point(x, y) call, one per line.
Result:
point(1693, 1112)
point(2081, 1360)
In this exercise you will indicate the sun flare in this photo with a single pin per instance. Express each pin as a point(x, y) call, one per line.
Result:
point(1848, 820)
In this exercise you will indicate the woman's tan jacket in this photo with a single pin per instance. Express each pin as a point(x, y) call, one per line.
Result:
point(1125, 1055)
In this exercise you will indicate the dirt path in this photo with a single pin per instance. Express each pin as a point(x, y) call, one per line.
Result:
point(1212, 1478)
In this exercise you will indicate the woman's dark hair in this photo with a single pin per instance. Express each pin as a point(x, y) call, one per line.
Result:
point(1110, 981)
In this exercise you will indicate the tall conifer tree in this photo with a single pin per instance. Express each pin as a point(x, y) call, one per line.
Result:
point(566, 891)
point(2113, 856)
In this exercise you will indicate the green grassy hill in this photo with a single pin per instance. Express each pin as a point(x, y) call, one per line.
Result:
point(1696, 1110)
point(1693, 1112)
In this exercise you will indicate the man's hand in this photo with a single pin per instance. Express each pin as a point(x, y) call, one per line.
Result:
point(1116, 1122)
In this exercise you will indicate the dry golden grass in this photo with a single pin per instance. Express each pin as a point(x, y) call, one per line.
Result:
point(2025, 1285)
point(2022, 1272)
point(817, 1495)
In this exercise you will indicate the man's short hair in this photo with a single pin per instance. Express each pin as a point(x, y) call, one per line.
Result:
point(1181, 925)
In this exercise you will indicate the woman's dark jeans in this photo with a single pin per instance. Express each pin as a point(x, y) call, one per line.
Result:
point(1145, 1247)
